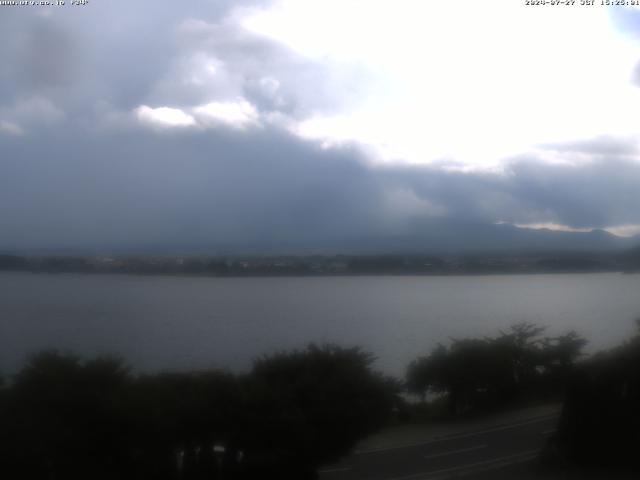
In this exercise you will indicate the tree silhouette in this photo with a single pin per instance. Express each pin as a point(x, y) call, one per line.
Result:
point(65, 418)
point(485, 372)
point(600, 421)
point(319, 401)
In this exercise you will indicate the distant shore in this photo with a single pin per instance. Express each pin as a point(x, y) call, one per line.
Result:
point(328, 265)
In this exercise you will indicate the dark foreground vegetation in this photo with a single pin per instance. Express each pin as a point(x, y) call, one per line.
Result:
point(599, 427)
point(600, 422)
point(65, 418)
point(479, 374)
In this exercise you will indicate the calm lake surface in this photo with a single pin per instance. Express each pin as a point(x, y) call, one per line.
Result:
point(179, 323)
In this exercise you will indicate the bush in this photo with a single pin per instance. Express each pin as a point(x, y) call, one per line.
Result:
point(65, 418)
point(600, 421)
point(487, 372)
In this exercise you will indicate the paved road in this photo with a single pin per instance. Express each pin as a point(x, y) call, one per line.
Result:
point(494, 451)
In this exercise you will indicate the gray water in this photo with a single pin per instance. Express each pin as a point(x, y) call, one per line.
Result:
point(180, 323)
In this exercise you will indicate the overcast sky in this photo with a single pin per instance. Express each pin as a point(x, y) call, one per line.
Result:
point(220, 122)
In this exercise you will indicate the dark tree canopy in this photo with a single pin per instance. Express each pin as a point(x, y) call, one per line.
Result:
point(473, 372)
point(600, 421)
point(63, 417)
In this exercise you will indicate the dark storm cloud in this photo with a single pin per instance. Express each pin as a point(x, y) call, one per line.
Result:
point(67, 181)
point(110, 51)
point(115, 56)
point(47, 59)
point(269, 74)
point(595, 194)
point(78, 170)
point(193, 189)
point(217, 190)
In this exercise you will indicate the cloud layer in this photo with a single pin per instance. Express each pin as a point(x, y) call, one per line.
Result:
point(183, 129)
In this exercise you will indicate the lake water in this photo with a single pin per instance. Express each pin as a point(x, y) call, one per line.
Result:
point(182, 323)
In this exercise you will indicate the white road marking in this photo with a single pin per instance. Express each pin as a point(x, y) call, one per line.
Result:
point(453, 452)
point(461, 435)
point(472, 468)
